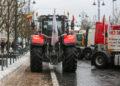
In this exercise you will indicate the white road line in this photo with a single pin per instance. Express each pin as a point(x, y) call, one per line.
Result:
point(53, 76)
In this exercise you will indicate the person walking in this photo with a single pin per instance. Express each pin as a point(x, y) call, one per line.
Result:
point(13, 45)
point(2, 44)
point(8, 44)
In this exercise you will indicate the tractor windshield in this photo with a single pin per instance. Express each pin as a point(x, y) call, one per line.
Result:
point(47, 27)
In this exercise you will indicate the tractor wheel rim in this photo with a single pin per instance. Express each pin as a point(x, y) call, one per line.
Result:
point(99, 60)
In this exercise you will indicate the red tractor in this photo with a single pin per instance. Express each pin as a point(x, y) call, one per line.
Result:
point(107, 40)
point(54, 44)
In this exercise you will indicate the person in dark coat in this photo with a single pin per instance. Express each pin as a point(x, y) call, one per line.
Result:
point(8, 44)
point(13, 45)
point(2, 44)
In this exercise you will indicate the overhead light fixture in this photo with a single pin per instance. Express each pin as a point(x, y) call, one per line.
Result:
point(103, 4)
point(94, 3)
point(34, 2)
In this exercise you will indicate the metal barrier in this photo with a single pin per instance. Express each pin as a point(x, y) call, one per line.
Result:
point(9, 58)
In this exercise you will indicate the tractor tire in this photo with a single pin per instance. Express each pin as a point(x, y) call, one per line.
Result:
point(70, 61)
point(87, 53)
point(36, 59)
point(100, 60)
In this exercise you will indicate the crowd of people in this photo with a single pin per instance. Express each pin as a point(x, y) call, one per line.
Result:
point(6, 46)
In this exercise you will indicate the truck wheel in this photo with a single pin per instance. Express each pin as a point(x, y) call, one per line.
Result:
point(70, 61)
point(100, 60)
point(87, 53)
point(36, 59)
point(79, 54)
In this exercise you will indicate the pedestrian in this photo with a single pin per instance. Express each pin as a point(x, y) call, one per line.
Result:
point(8, 44)
point(2, 44)
point(13, 45)
point(21, 44)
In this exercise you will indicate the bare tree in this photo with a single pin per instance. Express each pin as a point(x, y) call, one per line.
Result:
point(7, 20)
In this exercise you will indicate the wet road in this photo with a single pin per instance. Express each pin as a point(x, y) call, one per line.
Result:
point(23, 77)
point(86, 76)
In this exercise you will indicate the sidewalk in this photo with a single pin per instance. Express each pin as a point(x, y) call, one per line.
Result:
point(11, 68)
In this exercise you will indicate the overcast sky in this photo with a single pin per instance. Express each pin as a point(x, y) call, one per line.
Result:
point(75, 7)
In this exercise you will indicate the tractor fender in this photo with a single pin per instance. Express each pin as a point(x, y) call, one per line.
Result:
point(108, 56)
point(69, 40)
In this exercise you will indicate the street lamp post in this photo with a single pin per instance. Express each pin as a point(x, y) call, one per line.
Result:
point(99, 5)
point(99, 10)
point(114, 10)
point(29, 5)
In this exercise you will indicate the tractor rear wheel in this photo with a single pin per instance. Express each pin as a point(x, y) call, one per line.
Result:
point(70, 61)
point(36, 59)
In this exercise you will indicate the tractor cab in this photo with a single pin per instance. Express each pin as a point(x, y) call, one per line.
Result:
point(46, 24)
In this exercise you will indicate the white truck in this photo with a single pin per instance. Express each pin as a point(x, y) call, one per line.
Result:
point(109, 55)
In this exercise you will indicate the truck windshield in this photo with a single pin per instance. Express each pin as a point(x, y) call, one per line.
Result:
point(47, 27)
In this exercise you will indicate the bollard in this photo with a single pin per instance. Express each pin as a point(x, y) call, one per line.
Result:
point(10, 56)
point(13, 57)
point(2, 63)
point(6, 56)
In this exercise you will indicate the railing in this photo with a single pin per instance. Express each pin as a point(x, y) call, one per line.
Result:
point(7, 59)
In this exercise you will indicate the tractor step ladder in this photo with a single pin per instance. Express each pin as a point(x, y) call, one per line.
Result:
point(117, 60)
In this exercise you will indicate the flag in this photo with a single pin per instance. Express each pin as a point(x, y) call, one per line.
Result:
point(68, 14)
point(54, 39)
point(104, 28)
point(37, 14)
point(72, 22)
point(109, 27)
point(109, 35)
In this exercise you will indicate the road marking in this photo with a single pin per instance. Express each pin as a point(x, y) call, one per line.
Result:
point(53, 76)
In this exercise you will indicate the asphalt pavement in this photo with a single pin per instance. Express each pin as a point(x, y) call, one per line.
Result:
point(85, 75)
point(88, 76)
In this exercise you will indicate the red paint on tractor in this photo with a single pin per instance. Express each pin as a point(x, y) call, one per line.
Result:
point(38, 39)
point(69, 39)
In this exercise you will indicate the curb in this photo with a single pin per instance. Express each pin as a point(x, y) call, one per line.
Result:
point(53, 76)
